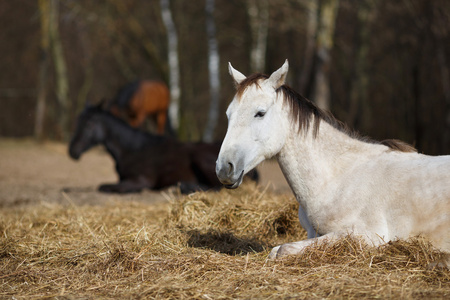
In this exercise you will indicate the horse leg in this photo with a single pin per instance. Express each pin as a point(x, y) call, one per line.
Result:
point(298, 247)
point(304, 221)
point(138, 119)
point(161, 119)
point(126, 186)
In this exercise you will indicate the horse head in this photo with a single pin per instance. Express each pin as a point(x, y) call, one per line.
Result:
point(89, 130)
point(257, 129)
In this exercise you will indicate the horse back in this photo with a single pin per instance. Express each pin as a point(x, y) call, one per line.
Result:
point(152, 96)
point(409, 195)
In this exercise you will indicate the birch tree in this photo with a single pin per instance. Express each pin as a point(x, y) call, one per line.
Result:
point(213, 68)
point(327, 18)
point(174, 69)
point(258, 13)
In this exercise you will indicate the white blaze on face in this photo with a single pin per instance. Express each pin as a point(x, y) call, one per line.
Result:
point(257, 127)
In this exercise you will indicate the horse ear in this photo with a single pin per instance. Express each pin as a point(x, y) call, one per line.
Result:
point(278, 77)
point(238, 77)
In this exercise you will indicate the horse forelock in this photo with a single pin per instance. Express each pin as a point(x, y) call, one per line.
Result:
point(250, 80)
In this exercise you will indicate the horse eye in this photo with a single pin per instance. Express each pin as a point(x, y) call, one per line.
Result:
point(260, 114)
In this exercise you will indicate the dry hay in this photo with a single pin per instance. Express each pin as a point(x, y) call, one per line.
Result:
point(205, 246)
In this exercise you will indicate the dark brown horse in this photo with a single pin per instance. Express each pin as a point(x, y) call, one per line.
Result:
point(144, 160)
point(140, 99)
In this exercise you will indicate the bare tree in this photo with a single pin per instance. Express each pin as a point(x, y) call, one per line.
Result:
point(359, 104)
point(440, 31)
point(140, 36)
point(62, 81)
point(44, 11)
point(174, 68)
point(310, 43)
point(325, 34)
point(258, 12)
point(213, 67)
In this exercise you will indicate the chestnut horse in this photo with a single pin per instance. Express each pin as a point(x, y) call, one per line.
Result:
point(144, 160)
point(142, 98)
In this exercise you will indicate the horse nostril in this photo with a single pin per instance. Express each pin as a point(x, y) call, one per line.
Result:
point(231, 167)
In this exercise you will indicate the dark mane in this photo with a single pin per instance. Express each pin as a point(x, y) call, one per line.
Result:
point(397, 145)
point(303, 111)
point(131, 138)
point(125, 93)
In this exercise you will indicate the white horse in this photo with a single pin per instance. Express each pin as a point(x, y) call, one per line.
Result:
point(379, 191)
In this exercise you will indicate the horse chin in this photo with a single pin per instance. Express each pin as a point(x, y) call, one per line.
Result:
point(237, 183)
point(75, 156)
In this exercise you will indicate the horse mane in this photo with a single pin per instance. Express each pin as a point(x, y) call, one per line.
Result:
point(304, 110)
point(125, 93)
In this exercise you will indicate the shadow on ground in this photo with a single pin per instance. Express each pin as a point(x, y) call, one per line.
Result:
point(224, 242)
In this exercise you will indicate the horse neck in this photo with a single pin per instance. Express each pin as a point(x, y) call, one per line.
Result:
point(310, 162)
point(121, 138)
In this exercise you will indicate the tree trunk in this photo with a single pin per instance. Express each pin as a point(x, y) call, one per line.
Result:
point(213, 67)
point(325, 34)
point(140, 36)
point(311, 31)
point(174, 69)
point(88, 80)
point(258, 13)
point(445, 80)
point(439, 34)
point(360, 108)
point(62, 83)
point(44, 10)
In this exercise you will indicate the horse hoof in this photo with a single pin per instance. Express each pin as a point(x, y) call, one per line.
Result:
point(274, 252)
point(438, 265)
point(107, 188)
point(104, 190)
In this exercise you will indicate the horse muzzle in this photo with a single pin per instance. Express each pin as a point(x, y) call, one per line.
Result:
point(230, 176)
point(75, 151)
point(74, 154)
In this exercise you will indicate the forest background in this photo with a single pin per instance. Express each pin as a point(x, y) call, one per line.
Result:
point(381, 66)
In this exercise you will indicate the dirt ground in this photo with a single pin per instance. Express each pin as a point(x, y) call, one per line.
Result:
point(32, 173)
